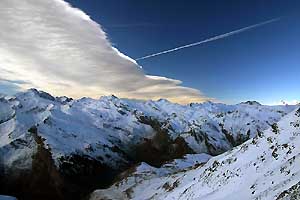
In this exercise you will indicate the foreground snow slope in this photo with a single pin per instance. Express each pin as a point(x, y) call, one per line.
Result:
point(265, 167)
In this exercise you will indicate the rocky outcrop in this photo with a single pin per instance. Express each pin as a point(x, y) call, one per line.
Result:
point(293, 193)
point(160, 148)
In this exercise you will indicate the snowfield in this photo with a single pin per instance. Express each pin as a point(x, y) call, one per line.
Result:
point(265, 167)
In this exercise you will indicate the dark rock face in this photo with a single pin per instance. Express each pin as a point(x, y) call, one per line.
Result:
point(75, 178)
point(43, 94)
point(161, 147)
point(45, 180)
point(240, 138)
point(41, 182)
point(82, 175)
point(298, 112)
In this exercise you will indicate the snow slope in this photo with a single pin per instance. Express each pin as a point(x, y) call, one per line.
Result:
point(265, 167)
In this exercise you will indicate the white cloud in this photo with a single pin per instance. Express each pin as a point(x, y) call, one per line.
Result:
point(49, 45)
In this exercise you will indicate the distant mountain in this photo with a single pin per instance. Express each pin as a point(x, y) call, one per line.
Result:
point(61, 148)
point(251, 103)
point(265, 167)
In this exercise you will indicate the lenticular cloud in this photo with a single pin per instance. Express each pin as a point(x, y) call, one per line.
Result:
point(51, 46)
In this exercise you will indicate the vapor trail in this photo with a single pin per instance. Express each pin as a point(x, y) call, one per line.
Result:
point(210, 39)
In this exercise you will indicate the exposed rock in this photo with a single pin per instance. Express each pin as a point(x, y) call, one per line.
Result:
point(293, 193)
point(251, 103)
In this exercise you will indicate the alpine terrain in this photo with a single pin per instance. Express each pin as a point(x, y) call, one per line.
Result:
point(264, 167)
point(62, 148)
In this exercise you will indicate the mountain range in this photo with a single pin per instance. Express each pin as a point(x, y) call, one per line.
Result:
point(64, 148)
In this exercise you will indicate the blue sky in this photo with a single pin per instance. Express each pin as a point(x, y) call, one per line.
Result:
point(261, 64)
point(59, 49)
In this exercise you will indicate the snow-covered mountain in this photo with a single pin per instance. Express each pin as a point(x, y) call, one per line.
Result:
point(63, 146)
point(265, 167)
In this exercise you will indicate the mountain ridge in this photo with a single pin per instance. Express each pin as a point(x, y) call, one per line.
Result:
point(110, 135)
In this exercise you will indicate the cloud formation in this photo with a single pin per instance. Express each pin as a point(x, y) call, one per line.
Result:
point(51, 46)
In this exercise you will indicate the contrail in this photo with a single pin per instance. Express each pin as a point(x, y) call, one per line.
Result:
point(211, 39)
